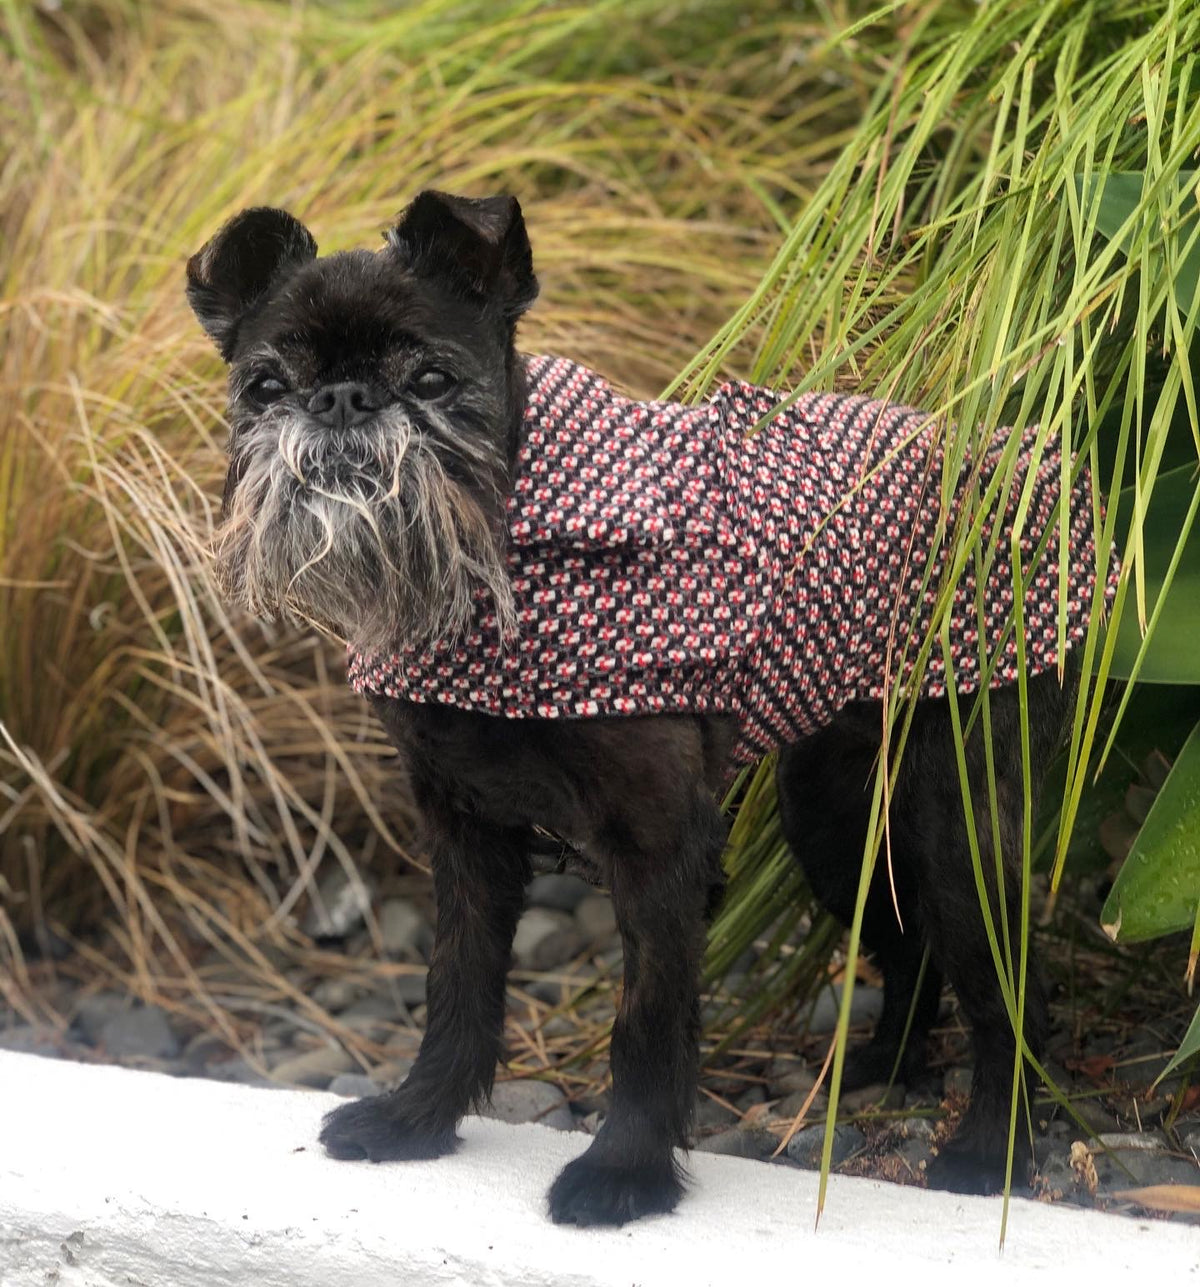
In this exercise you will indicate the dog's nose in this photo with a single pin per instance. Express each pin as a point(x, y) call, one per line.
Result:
point(341, 405)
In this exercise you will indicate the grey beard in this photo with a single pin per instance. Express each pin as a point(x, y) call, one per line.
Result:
point(363, 533)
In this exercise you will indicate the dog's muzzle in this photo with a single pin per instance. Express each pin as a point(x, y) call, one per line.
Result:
point(363, 530)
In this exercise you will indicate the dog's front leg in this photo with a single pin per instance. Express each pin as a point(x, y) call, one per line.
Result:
point(661, 901)
point(479, 876)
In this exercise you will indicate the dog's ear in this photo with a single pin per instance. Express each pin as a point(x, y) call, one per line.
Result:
point(234, 269)
point(479, 244)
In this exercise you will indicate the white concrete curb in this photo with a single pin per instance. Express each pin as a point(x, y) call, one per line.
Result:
point(115, 1177)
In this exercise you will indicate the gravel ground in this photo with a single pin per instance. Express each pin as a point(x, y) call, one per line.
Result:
point(1128, 1135)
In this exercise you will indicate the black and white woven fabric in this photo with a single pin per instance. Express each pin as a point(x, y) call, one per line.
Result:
point(736, 557)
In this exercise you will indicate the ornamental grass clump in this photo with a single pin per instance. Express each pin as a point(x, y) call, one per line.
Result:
point(173, 777)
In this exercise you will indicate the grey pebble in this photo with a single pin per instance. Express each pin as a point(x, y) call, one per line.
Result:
point(559, 891)
point(1147, 1141)
point(530, 1101)
point(239, 1070)
point(591, 1122)
point(865, 1006)
point(1136, 1160)
point(337, 994)
point(740, 1141)
point(804, 1148)
point(28, 1040)
point(1054, 1165)
point(545, 939)
point(712, 1116)
point(95, 1011)
point(402, 930)
point(868, 1098)
point(595, 917)
point(785, 1076)
point(391, 1072)
point(355, 1085)
point(1099, 1120)
point(548, 991)
point(411, 989)
point(338, 906)
point(140, 1033)
point(787, 1108)
point(918, 1128)
point(313, 1068)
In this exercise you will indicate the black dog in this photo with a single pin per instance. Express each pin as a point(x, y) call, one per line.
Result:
point(578, 629)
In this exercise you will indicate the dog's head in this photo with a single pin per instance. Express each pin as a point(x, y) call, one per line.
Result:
point(374, 405)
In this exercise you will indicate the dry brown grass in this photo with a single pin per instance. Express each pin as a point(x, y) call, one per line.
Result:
point(171, 777)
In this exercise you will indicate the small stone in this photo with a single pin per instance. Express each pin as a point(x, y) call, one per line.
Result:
point(28, 1040)
point(391, 1072)
point(402, 930)
point(591, 1122)
point(313, 1068)
point(370, 1007)
point(1148, 1141)
point(139, 1034)
point(411, 989)
point(558, 1025)
point(336, 994)
point(354, 1085)
point(1097, 1118)
point(1191, 1142)
point(785, 1076)
point(95, 1011)
point(740, 1141)
point(957, 1083)
point(205, 1048)
point(918, 1128)
point(871, 1098)
point(530, 1101)
point(375, 1017)
point(749, 1098)
point(805, 1147)
point(1054, 1169)
point(1136, 1160)
point(561, 892)
point(545, 939)
point(790, 1105)
point(916, 1156)
point(547, 991)
point(712, 1116)
point(238, 1070)
point(865, 1007)
point(339, 905)
point(595, 917)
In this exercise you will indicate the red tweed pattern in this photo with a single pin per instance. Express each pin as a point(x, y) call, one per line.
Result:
point(736, 557)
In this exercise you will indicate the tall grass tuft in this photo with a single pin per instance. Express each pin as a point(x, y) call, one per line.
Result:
point(962, 255)
point(171, 777)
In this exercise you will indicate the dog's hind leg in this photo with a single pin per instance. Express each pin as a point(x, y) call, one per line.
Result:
point(824, 787)
point(975, 1159)
point(479, 875)
point(665, 869)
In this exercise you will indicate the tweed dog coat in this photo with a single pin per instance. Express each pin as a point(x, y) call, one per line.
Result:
point(736, 557)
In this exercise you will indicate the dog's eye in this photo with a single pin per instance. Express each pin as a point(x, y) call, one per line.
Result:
point(267, 389)
point(430, 383)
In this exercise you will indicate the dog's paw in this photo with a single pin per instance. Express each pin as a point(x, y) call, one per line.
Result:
point(962, 1167)
point(381, 1130)
point(873, 1064)
point(598, 1191)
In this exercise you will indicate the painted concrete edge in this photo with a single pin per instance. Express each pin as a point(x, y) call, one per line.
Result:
point(112, 1176)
